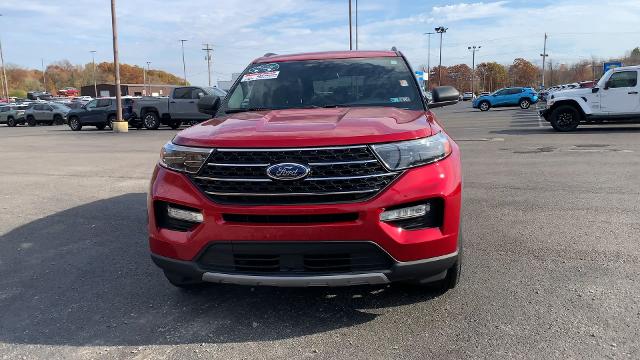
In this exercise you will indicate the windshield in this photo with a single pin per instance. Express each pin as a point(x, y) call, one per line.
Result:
point(385, 81)
point(602, 81)
point(215, 91)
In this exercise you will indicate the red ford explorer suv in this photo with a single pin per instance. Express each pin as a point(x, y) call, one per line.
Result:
point(318, 169)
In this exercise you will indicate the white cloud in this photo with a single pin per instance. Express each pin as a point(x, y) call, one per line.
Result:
point(467, 11)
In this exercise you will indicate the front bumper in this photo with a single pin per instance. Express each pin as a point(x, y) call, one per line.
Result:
point(437, 247)
point(428, 270)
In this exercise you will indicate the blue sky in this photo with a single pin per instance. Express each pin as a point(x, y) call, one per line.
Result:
point(243, 30)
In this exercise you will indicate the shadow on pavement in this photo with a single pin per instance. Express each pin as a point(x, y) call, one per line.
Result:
point(83, 276)
point(580, 130)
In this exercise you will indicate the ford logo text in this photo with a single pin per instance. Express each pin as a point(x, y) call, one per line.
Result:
point(287, 171)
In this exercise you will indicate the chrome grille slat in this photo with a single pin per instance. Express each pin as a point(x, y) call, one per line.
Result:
point(338, 174)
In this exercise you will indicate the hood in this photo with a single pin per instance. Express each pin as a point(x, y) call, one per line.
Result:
point(309, 127)
point(571, 92)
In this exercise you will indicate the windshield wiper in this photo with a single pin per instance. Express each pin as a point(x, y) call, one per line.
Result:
point(232, 111)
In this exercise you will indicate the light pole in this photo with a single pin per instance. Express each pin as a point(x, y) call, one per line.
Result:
point(95, 84)
point(184, 66)
point(473, 49)
point(44, 78)
point(350, 29)
point(440, 30)
point(149, 79)
point(119, 125)
point(428, 58)
point(5, 88)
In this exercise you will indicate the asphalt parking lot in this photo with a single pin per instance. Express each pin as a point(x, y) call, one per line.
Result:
point(552, 258)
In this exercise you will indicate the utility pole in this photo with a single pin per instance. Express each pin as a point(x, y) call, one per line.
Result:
point(551, 72)
point(144, 80)
point(350, 29)
point(440, 30)
point(184, 66)
point(119, 125)
point(428, 58)
point(95, 84)
point(473, 49)
point(208, 49)
point(149, 80)
point(544, 58)
point(5, 88)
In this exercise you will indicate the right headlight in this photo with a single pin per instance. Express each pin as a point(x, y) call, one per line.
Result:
point(407, 154)
point(183, 158)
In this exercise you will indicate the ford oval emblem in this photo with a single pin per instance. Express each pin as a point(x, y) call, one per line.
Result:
point(287, 171)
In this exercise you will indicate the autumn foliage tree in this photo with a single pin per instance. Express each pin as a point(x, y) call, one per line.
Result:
point(63, 73)
point(524, 73)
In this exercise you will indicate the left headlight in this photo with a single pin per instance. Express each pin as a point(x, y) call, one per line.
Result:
point(408, 154)
point(183, 158)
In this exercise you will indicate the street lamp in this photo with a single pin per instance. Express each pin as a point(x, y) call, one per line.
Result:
point(428, 58)
point(95, 84)
point(149, 79)
point(184, 66)
point(440, 30)
point(473, 49)
point(5, 87)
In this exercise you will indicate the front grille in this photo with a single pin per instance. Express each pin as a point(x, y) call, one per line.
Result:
point(338, 174)
point(294, 258)
point(290, 219)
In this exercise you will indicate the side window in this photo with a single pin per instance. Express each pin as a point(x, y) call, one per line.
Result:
point(37, 107)
point(502, 92)
point(182, 93)
point(237, 100)
point(91, 104)
point(623, 79)
point(4, 109)
point(195, 93)
point(103, 103)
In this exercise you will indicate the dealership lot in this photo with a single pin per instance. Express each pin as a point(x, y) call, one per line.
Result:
point(551, 270)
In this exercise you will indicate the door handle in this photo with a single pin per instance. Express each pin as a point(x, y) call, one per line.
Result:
point(632, 93)
point(193, 102)
point(172, 102)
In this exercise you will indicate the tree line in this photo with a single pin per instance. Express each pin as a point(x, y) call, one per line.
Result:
point(61, 74)
point(490, 76)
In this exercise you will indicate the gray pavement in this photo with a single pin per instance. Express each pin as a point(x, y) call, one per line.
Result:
point(552, 258)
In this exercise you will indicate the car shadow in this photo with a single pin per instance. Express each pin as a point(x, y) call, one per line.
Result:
point(83, 276)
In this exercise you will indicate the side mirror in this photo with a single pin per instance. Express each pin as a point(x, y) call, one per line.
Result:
point(595, 90)
point(209, 104)
point(200, 95)
point(607, 85)
point(444, 96)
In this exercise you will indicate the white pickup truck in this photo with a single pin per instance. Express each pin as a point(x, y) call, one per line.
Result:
point(614, 99)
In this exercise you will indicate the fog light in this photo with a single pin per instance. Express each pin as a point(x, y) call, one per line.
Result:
point(185, 215)
point(405, 213)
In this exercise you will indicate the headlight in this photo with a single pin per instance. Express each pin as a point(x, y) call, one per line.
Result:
point(407, 154)
point(183, 158)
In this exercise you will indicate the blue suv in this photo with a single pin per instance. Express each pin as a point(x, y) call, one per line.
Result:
point(515, 96)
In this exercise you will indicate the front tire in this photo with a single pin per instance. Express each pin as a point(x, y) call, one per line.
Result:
point(11, 122)
point(74, 124)
point(484, 106)
point(110, 121)
point(57, 120)
point(151, 121)
point(101, 126)
point(525, 104)
point(175, 124)
point(31, 121)
point(565, 118)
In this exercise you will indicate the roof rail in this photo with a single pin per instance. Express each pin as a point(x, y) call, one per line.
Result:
point(269, 54)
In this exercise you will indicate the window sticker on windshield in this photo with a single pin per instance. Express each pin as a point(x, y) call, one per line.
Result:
point(400, 99)
point(264, 68)
point(260, 76)
point(404, 83)
point(394, 62)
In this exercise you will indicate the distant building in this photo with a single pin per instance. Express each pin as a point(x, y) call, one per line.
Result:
point(106, 90)
point(227, 84)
